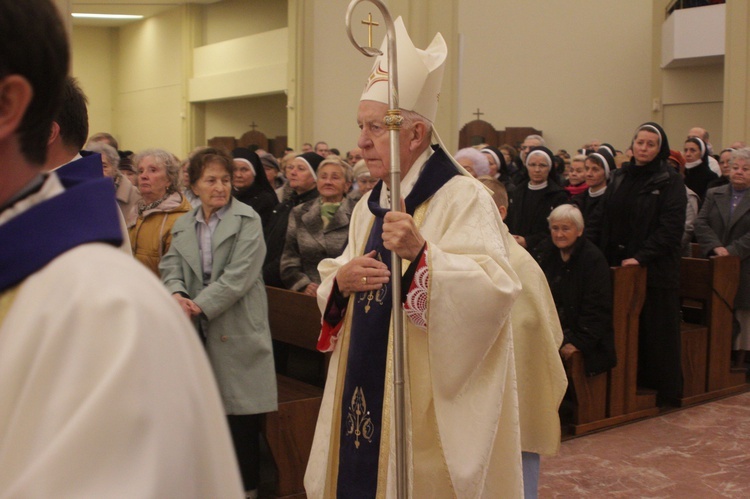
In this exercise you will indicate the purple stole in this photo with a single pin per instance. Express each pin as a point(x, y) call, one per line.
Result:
point(85, 213)
point(364, 385)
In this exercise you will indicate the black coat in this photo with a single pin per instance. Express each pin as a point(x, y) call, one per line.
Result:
point(698, 178)
point(655, 214)
point(275, 236)
point(552, 196)
point(260, 200)
point(586, 204)
point(582, 290)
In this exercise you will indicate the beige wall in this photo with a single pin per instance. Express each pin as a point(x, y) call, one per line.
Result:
point(150, 105)
point(235, 18)
point(685, 97)
point(94, 65)
point(337, 74)
point(232, 118)
point(583, 70)
point(736, 122)
point(578, 72)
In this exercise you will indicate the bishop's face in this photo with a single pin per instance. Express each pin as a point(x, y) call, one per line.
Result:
point(375, 142)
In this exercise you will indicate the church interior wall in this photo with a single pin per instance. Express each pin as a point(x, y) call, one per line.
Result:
point(736, 120)
point(583, 70)
point(232, 118)
point(578, 72)
point(94, 66)
point(693, 96)
point(150, 102)
point(339, 73)
point(237, 18)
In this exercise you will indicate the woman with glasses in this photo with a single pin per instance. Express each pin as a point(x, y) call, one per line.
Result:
point(533, 201)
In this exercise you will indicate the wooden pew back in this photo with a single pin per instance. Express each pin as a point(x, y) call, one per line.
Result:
point(295, 320)
point(707, 291)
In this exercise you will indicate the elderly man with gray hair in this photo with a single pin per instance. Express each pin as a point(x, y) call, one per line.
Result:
point(458, 287)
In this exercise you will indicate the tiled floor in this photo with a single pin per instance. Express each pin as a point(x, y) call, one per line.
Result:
point(700, 452)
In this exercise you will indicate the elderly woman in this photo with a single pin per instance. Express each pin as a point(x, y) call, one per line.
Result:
point(532, 201)
point(723, 228)
point(127, 196)
point(213, 270)
point(598, 167)
point(302, 178)
point(697, 172)
point(318, 229)
point(579, 278)
point(473, 161)
point(640, 221)
point(251, 183)
point(724, 160)
point(161, 205)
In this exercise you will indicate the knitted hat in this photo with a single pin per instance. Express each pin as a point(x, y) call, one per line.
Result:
point(267, 160)
point(677, 157)
point(360, 168)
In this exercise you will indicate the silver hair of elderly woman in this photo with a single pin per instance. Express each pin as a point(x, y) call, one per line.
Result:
point(335, 160)
point(743, 153)
point(567, 212)
point(165, 159)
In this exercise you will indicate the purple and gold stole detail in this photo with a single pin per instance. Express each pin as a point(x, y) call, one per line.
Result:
point(362, 399)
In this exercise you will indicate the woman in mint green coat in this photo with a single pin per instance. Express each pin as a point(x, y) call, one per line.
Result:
point(213, 269)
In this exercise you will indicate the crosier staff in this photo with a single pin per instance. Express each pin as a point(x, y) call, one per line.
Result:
point(393, 121)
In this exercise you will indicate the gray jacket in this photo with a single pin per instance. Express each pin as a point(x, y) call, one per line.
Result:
point(307, 243)
point(714, 228)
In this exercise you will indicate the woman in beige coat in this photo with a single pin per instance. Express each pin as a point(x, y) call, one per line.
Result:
point(162, 204)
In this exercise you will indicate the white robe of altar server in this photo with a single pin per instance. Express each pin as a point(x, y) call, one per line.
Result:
point(462, 403)
point(105, 390)
point(537, 337)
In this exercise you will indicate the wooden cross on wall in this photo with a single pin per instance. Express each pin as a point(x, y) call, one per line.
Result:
point(478, 113)
point(253, 126)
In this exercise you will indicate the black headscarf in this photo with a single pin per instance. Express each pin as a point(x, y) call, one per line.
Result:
point(260, 183)
point(650, 126)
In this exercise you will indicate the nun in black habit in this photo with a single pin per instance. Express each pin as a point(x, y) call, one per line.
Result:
point(640, 221)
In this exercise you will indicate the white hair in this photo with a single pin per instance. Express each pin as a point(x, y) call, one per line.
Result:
point(567, 212)
point(480, 162)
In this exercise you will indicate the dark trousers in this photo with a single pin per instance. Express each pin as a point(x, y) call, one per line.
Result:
point(659, 343)
point(245, 430)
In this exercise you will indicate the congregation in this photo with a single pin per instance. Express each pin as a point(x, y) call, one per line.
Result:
point(218, 226)
point(575, 215)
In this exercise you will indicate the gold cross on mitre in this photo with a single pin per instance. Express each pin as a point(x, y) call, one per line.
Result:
point(370, 23)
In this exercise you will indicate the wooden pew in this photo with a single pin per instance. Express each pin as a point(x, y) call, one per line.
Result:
point(294, 319)
point(590, 395)
point(707, 291)
point(614, 398)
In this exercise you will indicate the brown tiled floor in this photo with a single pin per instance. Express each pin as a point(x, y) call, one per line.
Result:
point(700, 452)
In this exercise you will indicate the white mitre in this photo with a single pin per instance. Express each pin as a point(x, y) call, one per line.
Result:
point(420, 73)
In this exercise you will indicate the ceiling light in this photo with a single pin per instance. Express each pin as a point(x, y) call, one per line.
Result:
point(105, 16)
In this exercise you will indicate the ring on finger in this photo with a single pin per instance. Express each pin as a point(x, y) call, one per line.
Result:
point(364, 280)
